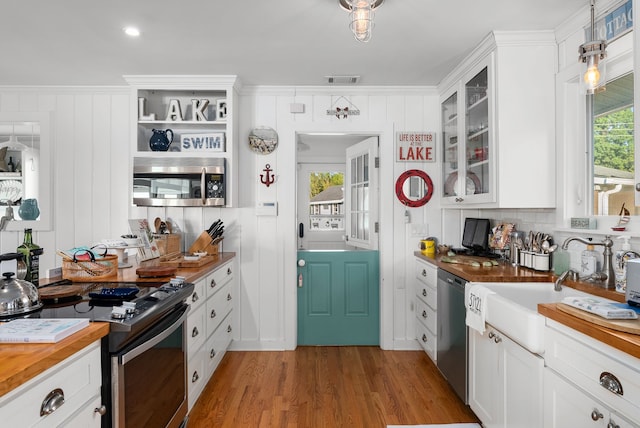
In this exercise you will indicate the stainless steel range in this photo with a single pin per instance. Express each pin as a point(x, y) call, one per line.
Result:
point(144, 381)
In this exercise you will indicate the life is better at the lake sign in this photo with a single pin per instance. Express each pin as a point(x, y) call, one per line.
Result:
point(417, 146)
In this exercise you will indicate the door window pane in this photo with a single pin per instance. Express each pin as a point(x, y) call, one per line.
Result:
point(326, 201)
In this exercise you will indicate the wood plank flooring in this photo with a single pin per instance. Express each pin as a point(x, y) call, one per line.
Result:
point(316, 387)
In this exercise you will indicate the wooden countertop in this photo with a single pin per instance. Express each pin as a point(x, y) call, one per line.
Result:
point(20, 362)
point(505, 272)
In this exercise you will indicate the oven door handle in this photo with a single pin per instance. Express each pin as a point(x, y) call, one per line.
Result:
point(203, 190)
point(148, 344)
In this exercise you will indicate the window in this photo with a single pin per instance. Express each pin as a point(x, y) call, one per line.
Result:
point(613, 148)
point(326, 201)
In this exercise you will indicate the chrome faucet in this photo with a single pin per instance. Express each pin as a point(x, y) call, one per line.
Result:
point(558, 284)
point(607, 266)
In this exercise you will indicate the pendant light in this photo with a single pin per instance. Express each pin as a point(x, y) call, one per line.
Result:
point(361, 14)
point(592, 55)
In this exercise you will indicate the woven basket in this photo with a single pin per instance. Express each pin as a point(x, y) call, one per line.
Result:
point(93, 269)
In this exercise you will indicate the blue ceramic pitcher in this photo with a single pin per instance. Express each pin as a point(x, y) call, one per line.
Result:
point(29, 209)
point(160, 140)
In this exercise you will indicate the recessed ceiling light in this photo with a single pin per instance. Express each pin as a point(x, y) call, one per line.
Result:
point(131, 31)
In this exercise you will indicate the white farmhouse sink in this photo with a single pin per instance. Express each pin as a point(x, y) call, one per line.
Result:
point(513, 309)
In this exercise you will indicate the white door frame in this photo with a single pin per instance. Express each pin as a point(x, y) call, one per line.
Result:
point(385, 132)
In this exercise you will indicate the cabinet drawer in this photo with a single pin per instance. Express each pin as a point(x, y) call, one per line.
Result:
point(426, 315)
point(219, 277)
point(218, 306)
point(196, 376)
point(426, 273)
point(586, 362)
point(427, 340)
point(196, 330)
point(217, 344)
point(199, 294)
point(79, 377)
point(427, 294)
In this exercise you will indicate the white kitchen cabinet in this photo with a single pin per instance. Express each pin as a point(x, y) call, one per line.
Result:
point(76, 380)
point(566, 405)
point(505, 381)
point(498, 124)
point(209, 326)
point(201, 112)
point(609, 377)
point(426, 306)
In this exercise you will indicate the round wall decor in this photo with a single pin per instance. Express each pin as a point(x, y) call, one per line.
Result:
point(263, 140)
point(414, 188)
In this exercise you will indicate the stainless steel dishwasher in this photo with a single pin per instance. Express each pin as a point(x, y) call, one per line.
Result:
point(451, 351)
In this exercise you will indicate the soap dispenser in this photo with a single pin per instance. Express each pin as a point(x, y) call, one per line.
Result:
point(588, 262)
point(620, 263)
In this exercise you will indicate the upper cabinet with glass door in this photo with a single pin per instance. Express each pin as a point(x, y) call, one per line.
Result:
point(498, 124)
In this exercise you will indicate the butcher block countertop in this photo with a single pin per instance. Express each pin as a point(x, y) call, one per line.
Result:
point(505, 272)
point(20, 362)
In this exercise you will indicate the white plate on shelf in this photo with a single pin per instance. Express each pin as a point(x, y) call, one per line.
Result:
point(10, 190)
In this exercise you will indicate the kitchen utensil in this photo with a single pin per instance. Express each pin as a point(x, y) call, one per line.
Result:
point(156, 223)
point(16, 295)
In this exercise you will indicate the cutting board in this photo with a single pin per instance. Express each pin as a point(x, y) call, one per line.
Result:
point(627, 326)
point(181, 262)
point(468, 260)
point(156, 271)
point(60, 291)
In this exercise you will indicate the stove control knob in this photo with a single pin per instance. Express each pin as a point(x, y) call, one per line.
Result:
point(130, 307)
point(119, 312)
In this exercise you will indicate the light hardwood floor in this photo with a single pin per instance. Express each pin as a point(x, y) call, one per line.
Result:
point(317, 387)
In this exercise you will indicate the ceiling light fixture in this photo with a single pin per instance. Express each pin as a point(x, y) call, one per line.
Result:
point(131, 31)
point(592, 55)
point(361, 14)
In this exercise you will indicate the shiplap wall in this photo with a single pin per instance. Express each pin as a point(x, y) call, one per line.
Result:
point(91, 196)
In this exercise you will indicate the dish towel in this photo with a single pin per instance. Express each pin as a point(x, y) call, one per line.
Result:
point(475, 301)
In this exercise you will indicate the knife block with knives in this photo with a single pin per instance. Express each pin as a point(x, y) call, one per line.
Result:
point(209, 241)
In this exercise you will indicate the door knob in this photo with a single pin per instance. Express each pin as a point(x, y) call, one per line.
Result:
point(301, 263)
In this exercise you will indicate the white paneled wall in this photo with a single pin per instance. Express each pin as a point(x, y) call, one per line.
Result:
point(91, 197)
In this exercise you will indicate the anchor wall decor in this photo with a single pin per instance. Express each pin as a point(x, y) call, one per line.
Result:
point(268, 178)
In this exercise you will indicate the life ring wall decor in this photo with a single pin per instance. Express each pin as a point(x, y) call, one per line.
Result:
point(406, 199)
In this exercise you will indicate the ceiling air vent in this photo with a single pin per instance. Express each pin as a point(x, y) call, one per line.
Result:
point(342, 80)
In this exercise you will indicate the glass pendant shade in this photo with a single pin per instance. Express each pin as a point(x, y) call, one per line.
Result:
point(361, 17)
point(592, 55)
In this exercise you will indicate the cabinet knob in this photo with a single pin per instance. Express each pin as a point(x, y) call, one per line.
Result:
point(424, 272)
point(610, 382)
point(424, 338)
point(228, 297)
point(612, 424)
point(194, 297)
point(102, 410)
point(213, 313)
point(228, 271)
point(52, 401)
point(195, 377)
point(424, 314)
point(212, 283)
point(194, 332)
point(229, 329)
point(424, 292)
point(595, 415)
point(212, 353)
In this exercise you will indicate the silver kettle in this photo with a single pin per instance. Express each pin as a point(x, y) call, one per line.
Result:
point(17, 297)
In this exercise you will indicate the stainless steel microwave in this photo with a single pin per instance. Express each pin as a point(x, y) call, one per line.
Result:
point(179, 182)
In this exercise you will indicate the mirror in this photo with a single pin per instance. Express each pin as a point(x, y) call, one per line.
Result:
point(414, 188)
point(25, 171)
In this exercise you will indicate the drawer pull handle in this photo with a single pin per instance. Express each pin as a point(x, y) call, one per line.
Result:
point(102, 410)
point(194, 332)
point(424, 314)
point(194, 297)
point(213, 313)
point(229, 329)
point(610, 382)
point(228, 297)
point(595, 415)
point(195, 377)
point(491, 335)
point(612, 425)
point(424, 292)
point(424, 273)
point(212, 283)
point(228, 271)
point(424, 338)
point(212, 353)
point(52, 401)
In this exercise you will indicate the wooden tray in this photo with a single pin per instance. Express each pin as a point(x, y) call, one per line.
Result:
point(60, 291)
point(181, 262)
point(627, 326)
